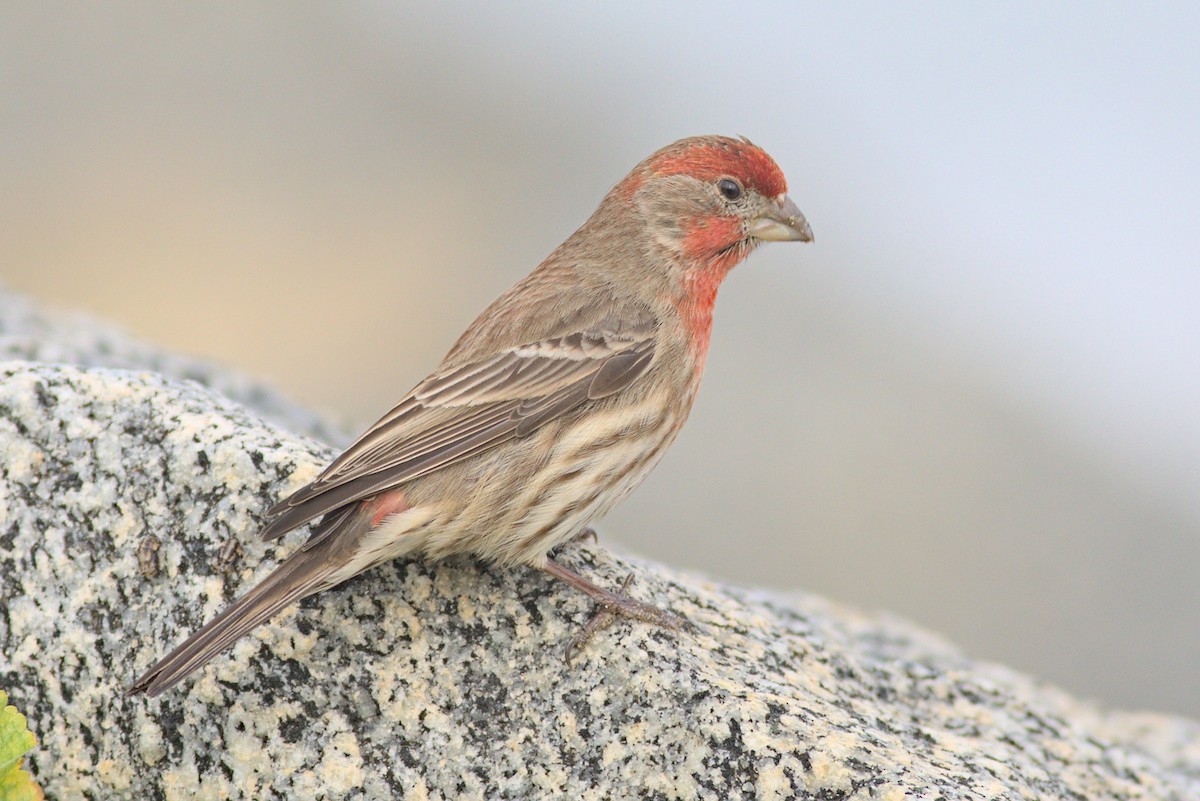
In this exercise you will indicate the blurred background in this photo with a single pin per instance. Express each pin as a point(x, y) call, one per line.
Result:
point(972, 401)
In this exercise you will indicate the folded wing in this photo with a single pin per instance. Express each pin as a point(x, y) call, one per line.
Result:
point(465, 409)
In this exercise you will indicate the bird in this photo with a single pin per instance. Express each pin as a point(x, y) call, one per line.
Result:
point(550, 408)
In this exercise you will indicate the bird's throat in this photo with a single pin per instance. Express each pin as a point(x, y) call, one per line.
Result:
point(696, 304)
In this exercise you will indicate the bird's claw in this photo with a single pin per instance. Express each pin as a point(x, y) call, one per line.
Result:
point(586, 534)
point(619, 604)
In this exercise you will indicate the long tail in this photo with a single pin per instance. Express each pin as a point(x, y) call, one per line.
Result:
point(303, 573)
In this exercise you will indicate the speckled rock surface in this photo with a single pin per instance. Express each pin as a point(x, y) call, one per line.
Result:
point(128, 511)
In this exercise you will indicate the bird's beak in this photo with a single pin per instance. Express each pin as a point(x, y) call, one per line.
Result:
point(784, 223)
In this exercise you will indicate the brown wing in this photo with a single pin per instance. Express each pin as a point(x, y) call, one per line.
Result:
point(464, 409)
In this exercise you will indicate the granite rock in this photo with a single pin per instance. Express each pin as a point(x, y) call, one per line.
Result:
point(129, 502)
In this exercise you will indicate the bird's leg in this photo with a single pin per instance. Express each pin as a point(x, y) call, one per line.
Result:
point(612, 606)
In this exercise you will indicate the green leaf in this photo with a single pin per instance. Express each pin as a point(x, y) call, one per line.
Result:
point(15, 741)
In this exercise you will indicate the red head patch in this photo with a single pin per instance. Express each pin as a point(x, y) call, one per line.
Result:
point(711, 157)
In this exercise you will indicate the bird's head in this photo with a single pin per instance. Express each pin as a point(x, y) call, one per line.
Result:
point(709, 200)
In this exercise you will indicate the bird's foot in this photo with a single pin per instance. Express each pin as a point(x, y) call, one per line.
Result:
point(612, 606)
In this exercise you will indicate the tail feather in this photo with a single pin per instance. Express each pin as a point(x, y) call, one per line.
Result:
point(300, 575)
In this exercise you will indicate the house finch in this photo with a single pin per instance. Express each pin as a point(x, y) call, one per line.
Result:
point(550, 408)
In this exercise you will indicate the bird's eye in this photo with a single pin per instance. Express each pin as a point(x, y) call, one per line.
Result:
point(730, 188)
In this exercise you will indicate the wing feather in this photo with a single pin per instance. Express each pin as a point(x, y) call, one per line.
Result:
point(465, 409)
